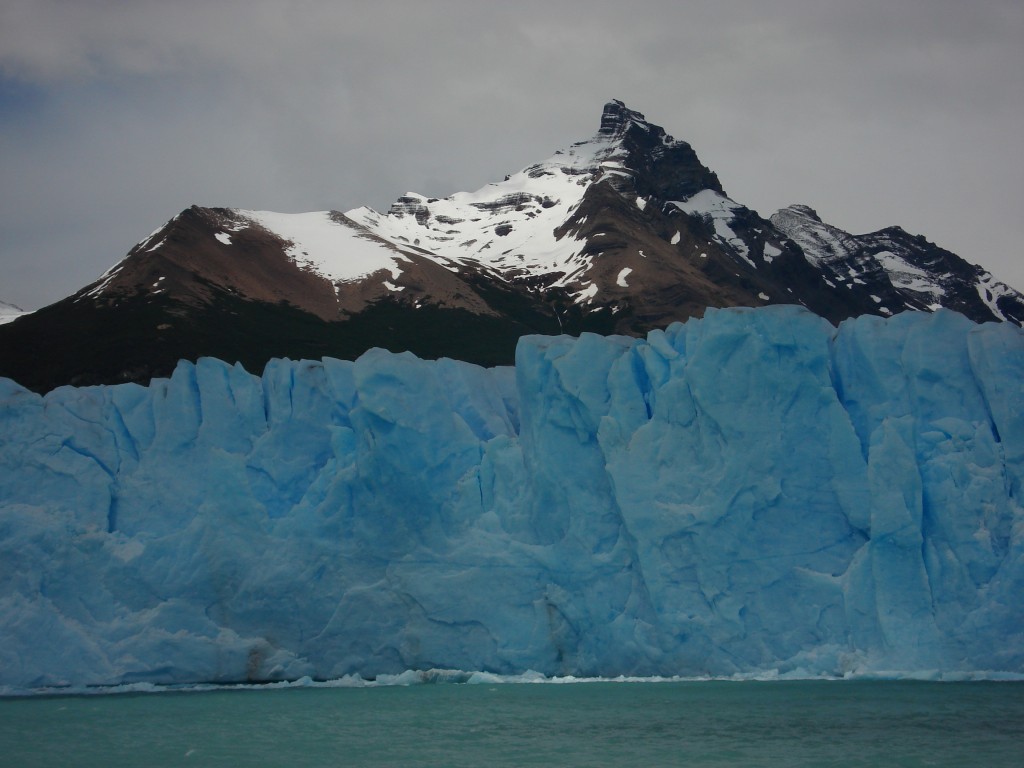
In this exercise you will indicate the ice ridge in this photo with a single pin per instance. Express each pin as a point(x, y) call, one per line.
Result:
point(751, 493)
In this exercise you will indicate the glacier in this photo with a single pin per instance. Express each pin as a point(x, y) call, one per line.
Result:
point(755, 491)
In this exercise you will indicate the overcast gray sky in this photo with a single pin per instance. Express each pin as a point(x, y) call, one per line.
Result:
point(116, 115)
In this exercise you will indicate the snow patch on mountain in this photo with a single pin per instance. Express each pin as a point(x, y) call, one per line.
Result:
point(820, 242)
point(107, 277)
point(991, 290)
point(905, 275)
point(510, 226)
point(719, 211)
point(320, 243)
point(148, 239)
point(9, 312)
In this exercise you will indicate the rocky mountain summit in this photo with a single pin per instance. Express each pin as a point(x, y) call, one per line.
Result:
point(624, 232)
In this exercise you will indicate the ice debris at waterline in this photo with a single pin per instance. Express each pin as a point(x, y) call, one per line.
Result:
point(752, 492)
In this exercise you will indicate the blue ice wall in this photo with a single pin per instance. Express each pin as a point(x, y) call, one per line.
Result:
point(749, 492)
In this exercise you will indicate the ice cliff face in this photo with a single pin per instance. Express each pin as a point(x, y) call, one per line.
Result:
point(752, 491)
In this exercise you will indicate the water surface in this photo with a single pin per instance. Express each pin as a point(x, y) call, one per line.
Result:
point(709, 723)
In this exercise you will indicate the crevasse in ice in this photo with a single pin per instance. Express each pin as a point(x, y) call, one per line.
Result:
point(752, 491)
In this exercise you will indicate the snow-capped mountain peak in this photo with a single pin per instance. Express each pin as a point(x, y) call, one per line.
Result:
point(511, 226)
point(531, 227)
point(508, 227)
point(622, 232)
point(617, 117)
point(899, 270)
point(541, 228)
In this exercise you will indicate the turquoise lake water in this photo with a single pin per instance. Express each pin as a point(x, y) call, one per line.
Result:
point(708, 723)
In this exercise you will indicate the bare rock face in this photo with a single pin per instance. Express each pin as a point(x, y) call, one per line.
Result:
point(661, 165)
point(620, 233)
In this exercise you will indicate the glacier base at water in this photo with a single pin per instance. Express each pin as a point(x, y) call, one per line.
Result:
point(751, 493)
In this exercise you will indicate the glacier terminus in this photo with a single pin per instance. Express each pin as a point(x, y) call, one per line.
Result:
point(755, 491)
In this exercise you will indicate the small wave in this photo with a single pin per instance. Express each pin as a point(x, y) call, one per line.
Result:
point(462, 677)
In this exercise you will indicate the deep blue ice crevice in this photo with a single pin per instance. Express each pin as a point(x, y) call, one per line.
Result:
point(998, 370)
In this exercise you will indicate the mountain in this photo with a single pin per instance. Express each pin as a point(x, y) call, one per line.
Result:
point(622, 233)
point(754, 492)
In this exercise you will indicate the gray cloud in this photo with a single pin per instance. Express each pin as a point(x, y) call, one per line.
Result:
point(114, 116)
